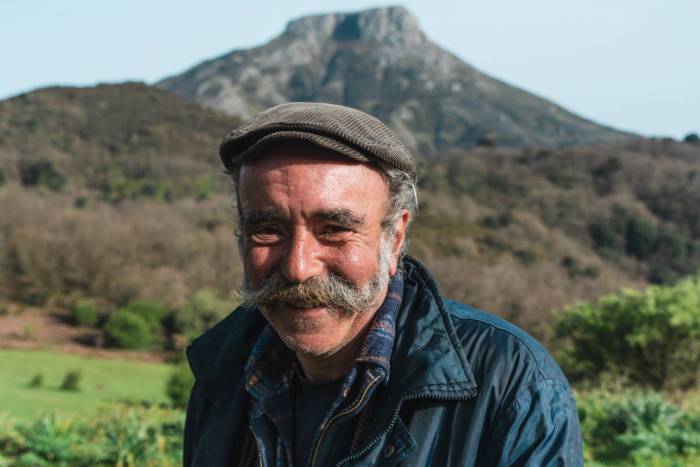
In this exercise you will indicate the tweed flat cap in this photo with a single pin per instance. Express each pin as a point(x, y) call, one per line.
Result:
point(344, 130)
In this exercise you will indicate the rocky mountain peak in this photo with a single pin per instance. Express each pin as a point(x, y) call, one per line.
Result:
point(380, 61)
point(394, 24)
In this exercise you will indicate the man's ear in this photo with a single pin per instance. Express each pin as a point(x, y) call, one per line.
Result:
point(398, 239)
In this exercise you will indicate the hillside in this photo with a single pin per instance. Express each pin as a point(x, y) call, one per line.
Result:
point(380, 61)
point(116, 193)
point(122, 140)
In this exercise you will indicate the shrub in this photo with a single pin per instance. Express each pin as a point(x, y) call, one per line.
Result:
point(652, 337)
point(118, 435)
point(692, 138)
point(604, 236)
point(140, 436)
point(203, 187)
point(640, 238)
point(149, 311)
point(71, 382)
point(179, 385)
point(47, 441)
point(84, 313)
point(127, 330)
point(80, 202)
point(41, 173)
point(202, 310)
point(37, 381)
point(638, 428)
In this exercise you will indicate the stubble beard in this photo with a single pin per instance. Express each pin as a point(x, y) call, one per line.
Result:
point(343, 299)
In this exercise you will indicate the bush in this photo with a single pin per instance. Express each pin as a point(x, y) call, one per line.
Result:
point(141, 436)
point(179, 385)
point(638, 428)
point(692, 138)
point(652, 337)
point(202, 311)
point(41, 173)
point(640, 238)
point(37, 381)
point(152, 313)
point(71, 382)
point(127, 330)
point(203, 187)
point(604, 236)
point(45, 442)
point(118, 435)
point(84, 313)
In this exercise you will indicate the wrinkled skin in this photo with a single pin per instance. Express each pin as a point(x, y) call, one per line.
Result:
point(308, 214)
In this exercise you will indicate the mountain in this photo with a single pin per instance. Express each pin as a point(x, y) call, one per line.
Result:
point(380, 61)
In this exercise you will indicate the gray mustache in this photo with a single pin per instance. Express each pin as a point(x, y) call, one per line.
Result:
point(331, 291)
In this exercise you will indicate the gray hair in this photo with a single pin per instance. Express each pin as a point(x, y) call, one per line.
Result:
point(402, 195)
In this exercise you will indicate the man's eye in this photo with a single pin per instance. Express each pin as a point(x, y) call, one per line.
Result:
point(334, 232)
point(266, 235)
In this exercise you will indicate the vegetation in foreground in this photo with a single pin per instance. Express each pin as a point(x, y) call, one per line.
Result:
point(613, 349)
point(120, 435)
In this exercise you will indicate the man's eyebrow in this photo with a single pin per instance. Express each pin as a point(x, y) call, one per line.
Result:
point(257, 216)
point(342, 216)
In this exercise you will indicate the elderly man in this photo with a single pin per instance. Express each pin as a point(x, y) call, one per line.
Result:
point(344, 352)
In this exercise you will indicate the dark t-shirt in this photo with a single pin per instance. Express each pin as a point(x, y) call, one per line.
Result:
point(311, 403)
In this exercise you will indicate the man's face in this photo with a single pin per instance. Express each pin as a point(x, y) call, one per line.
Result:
point(311, 231)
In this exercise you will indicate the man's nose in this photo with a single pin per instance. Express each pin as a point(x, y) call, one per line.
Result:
point(302, 260)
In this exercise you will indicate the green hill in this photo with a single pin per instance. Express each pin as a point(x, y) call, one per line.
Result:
point(116, 193)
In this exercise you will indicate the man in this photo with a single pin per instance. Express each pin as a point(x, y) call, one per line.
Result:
point(344, 352)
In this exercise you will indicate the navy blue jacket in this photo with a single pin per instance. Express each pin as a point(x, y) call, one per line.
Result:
point(466, 388)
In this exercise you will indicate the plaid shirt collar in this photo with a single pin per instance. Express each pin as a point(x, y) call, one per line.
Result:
point(270, 367)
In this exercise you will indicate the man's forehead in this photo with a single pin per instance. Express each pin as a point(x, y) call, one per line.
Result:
point(313, 165)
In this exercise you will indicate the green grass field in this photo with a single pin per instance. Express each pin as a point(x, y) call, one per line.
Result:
point(102, 381)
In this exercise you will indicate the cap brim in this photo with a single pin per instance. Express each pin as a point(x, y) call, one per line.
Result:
point(279, 138)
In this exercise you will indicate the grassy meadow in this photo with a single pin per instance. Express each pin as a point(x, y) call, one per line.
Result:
point(102, 381)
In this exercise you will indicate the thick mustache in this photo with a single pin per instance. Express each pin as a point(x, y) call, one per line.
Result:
point(330, 291)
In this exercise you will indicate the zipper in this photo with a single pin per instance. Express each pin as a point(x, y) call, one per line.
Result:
point(395, 417)
point(350, 409)
point(258, 451)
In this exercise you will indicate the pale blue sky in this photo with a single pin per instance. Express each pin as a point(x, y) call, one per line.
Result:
point(631, 64)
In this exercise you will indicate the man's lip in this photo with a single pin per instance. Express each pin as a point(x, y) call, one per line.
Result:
point(304, 307)
point(299, 309)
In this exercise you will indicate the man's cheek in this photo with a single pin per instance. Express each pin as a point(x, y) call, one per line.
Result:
point(259, 263)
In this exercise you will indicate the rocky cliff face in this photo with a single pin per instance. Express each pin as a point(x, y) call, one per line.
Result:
point(380, 61)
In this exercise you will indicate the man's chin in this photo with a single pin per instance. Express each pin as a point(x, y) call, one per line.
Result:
point(311, 345)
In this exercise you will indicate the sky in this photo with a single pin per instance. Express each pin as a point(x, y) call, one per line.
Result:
point(630, 64)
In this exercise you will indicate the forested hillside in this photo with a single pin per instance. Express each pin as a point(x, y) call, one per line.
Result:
point(115, 193)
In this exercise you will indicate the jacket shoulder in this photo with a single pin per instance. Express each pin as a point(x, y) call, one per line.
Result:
point(524, 393)
point(496, 348)
point(222, 347)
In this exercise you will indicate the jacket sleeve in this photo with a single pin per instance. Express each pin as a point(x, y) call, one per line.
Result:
point(540, 428)
point(190, 435)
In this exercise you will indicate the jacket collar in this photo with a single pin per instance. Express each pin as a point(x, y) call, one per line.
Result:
point(427, 361)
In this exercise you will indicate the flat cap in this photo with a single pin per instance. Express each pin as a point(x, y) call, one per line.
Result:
point(345, 130)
